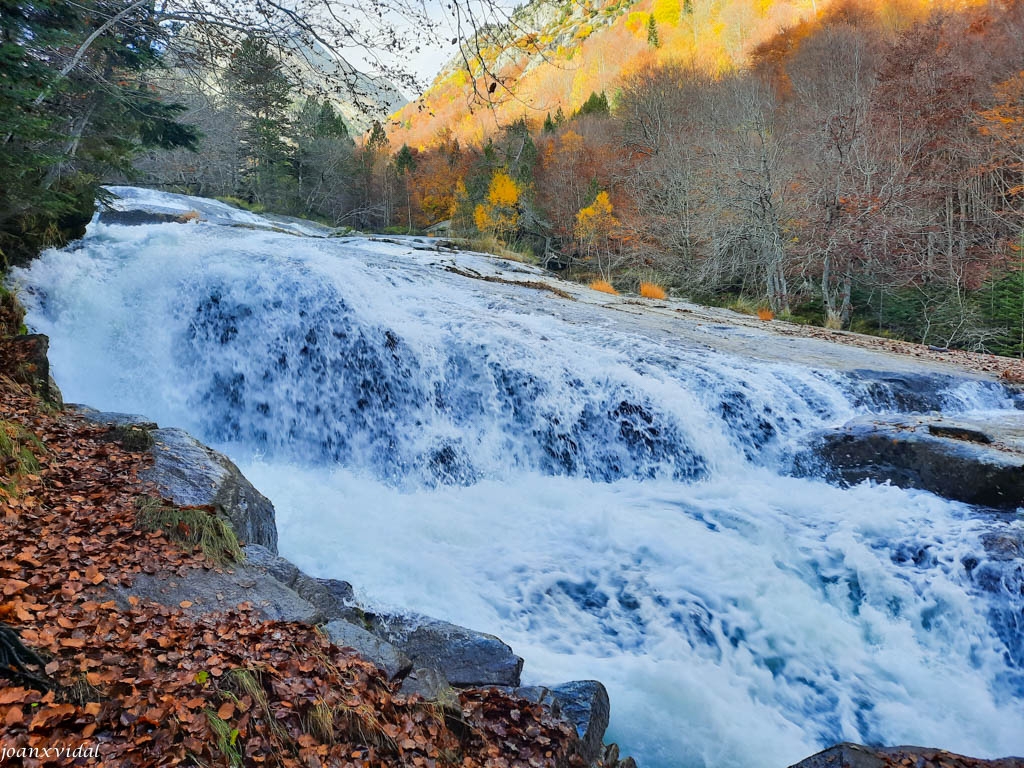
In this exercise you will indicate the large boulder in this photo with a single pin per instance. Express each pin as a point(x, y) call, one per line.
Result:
point(467, 659)
point(960, 459)
point(190, 474)
point(857, 756)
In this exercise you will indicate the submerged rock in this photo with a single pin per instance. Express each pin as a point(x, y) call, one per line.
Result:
point(136, 217)
point(958, 459)
point(857, 756)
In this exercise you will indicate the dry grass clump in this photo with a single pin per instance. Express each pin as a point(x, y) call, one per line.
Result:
point(603, 286)
point(764, 313)
point(652, 291)
point(195, 526)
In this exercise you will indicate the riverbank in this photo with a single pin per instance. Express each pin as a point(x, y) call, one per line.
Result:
point(144, 681)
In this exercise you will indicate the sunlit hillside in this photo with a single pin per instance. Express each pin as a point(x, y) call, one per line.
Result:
point(555, 53)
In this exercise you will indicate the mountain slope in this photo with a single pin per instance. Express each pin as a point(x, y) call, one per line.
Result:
point(555, 53)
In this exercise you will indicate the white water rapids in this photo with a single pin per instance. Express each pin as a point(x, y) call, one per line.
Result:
point(609, 498)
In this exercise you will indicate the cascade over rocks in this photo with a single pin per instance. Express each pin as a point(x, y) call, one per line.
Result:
point(374, 359)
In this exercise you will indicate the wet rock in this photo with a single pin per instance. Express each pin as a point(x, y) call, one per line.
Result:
point(394, 663)
point(903, 391)
point(466, 658)
point(583, 704)
point(857, 756)
point(333, 598)
point(979, 464)
point(610, 759)
point(135, 217)
point(205, 591)
point(190, 474)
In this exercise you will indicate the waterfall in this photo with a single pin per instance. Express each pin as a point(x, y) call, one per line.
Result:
point(606, 492)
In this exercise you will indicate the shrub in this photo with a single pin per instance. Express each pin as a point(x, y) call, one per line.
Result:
point(763, 313)
point(604, 287)
point(652, 291)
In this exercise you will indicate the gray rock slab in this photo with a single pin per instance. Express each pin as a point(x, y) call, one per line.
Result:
point(468, 659)
point(392, 661)
point(188, 473)
point(257, 556)
point(213, 590)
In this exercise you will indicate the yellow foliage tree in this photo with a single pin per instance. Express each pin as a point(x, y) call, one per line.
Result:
point(504, 191)
point(500, 214)
point(666, 12)
point(596, 227)
point(596, 221)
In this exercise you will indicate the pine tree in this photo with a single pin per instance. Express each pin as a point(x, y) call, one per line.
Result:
point(595, 105)
point(262, 94)
point(652, 32)
point(549, 124)
point(1003, 309)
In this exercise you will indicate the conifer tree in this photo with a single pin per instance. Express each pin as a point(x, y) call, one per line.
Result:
point(75, 105)
point(260, 91)
point(652, 32)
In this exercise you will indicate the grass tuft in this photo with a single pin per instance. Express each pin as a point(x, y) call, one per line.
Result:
point(193, 526)
point(603, 286)
point(652, 291)
point(227, 738)
point(764, 313)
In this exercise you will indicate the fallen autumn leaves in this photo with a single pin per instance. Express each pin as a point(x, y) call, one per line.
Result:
point(148, 685)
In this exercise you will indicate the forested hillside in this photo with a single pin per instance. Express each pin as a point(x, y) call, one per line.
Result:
point(850, 165)
point(864, 170)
